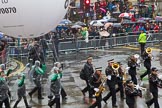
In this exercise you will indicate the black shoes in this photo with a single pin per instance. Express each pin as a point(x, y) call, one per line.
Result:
point(148, 106)
point(30, 95)
point(104, 101)
point(83, 93)
point(115, 106)
point(29, 106)
point(40, 98)
point(64, 98)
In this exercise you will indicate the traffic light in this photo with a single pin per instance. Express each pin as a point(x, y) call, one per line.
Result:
point(87, 5)
point(87, 2)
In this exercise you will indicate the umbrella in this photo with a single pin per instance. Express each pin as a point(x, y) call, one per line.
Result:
point(65, 21)
point(92, 22)
point(103, 10)
point(143, 18)
point(127, 22)
point(158, 18)
point(1, 35)
point(112, 19)
point(106, 17)
point(97, 24)
point(104, 33)
point(76, 26)
point(108, 25)
point(116, 24)
point(141, 21)
point(80, 23)
point(125, 15)
point(103, 20)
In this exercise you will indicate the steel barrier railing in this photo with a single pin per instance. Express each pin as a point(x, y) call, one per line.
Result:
point(93, 43)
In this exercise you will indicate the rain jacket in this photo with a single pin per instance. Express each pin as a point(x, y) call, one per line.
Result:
point(142, 38)
point(21, 91)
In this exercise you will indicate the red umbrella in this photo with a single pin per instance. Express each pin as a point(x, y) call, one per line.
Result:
point(125, 15)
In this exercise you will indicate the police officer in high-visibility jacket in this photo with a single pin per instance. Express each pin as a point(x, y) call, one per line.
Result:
point(142, 41)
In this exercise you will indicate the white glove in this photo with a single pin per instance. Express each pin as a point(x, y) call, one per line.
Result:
point(109, 77)
point(96, 89)
point(137, 86)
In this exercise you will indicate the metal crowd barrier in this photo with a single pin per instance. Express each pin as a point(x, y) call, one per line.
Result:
point(80, 44)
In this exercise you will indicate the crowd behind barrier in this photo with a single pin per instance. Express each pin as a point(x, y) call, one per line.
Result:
point(80, 44)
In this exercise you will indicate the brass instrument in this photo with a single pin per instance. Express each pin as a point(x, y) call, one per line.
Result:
point(115, 67)
point(148, 50)
point(101, 88)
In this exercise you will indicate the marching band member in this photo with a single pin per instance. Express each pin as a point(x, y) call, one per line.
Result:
point(132, 70)
point(95, 82)
point(88, 71)
point(147, 64)
point(111, 82)
point(119, 82)
point(37, 72)
point(63, 93)
point(154, 84)
point(21, 91)
point(55, 87)
point(131, 92)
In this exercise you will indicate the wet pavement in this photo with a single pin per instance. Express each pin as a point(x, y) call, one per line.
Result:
point(73, 62)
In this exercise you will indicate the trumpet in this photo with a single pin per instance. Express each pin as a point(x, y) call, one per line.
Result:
point(140, 88)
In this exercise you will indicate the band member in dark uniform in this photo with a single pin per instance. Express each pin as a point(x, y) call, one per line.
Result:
point(147, 63)
point(111, 82)
point(120, 85)
point(131, 92)
point(88, 71)
point(95, 82)
point(154, 84)
point(132, 70)
point(120, 81)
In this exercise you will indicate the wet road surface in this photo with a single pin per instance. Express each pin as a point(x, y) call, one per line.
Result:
point(73, 62)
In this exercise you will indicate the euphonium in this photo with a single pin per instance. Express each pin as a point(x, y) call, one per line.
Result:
point(115, 67)
point(148, 50)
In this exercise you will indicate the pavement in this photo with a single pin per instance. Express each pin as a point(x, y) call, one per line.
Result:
point(73, 62)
